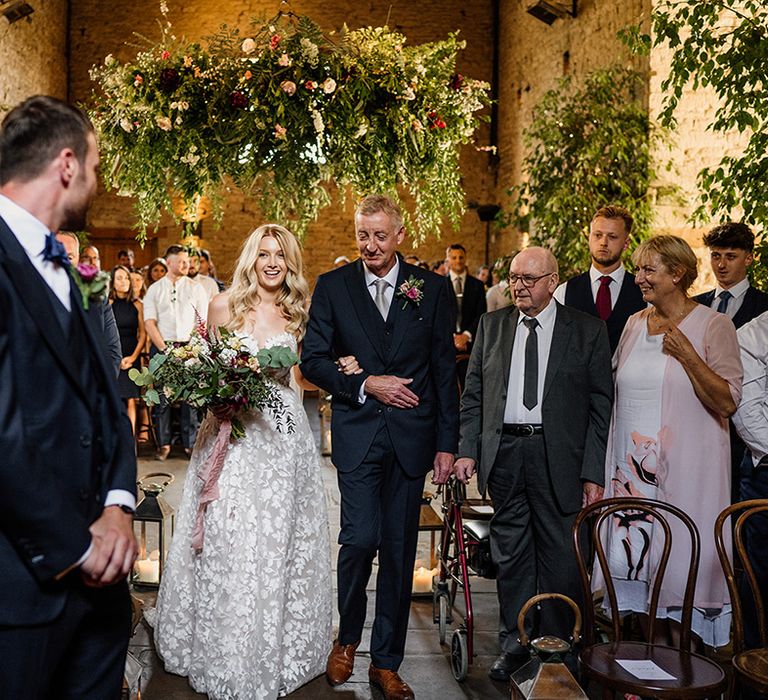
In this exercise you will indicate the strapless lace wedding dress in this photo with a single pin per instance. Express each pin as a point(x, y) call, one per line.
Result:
point(249, 617)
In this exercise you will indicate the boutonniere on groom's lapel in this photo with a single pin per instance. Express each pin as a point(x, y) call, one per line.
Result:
point(410, 291)
point(92, 283)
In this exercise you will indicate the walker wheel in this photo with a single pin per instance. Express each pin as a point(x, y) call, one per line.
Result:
point(459, 655)
point(442, 617)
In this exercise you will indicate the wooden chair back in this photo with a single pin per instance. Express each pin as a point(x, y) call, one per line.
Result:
point(741, 512)
point(596, 515)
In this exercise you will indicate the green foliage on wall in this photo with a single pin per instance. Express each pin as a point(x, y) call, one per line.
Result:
point(588, 145)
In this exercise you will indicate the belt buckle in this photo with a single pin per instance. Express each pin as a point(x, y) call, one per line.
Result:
point(527, 430)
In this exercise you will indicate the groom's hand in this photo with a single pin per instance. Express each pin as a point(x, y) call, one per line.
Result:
point(392, 391)
point(442, 467)
point(114, 548)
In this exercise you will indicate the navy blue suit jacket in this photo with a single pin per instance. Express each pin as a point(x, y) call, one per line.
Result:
point(755, 303)
point(65, 439)
point(416, 341)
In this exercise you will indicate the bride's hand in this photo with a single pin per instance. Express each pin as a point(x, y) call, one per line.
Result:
point(349, 365)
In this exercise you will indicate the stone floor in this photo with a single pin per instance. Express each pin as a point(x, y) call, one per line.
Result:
point(427, 664)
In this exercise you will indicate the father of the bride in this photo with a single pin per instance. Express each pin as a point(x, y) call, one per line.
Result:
point(391, 424)
point(67, 470)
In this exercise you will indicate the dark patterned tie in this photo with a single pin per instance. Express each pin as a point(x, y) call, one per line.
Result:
point(725, 296)
point(603, 299)
point(458, 288)
point(531, 376)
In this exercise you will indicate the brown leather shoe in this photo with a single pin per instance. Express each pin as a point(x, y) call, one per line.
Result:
point(341, 663)
point(393, 687)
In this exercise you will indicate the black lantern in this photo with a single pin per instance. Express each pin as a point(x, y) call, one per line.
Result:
point(154, 522)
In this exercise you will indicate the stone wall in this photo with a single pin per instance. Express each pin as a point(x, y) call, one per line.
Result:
point(534, 56)
point(99, 28)
point(33, 54)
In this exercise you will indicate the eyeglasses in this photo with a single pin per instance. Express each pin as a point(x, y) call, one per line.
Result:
point(527, 280)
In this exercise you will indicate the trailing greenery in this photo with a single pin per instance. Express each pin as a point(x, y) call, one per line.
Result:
point(283, 112)
point(722, 45)
point(588, 146)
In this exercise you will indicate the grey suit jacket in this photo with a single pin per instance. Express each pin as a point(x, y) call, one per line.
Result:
point(576, 406)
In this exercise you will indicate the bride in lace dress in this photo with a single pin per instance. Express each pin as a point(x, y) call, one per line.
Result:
point(249, 617)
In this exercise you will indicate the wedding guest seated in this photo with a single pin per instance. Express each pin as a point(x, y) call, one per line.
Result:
point(129, 317)
point(677, 380)
point(106, 319)
point(730, 255)
point(156, 270)
point(125, 257)
point(90, 256)
point(607, 290)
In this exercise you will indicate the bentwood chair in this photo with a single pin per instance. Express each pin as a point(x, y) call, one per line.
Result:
point(695, 676)
point(750, 666)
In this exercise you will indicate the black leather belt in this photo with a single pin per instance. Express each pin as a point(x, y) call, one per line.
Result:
point(522, 429)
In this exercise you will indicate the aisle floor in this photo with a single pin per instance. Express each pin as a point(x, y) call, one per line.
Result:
point(426, 666)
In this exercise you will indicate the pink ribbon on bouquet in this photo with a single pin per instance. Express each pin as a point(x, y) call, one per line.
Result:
point(209, 475)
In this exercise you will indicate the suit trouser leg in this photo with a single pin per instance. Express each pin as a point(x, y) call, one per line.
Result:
point(161, 414)
point(79, 656)
point(379, 512)
point(189, 424)
point(530, 540)
point(512, 544)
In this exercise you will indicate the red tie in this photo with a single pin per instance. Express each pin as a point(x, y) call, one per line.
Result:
point(603, 301)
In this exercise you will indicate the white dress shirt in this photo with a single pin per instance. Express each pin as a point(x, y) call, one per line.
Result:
point(173, 307)
point(208, 284)
point(30, 232)
point(751, 417)
point(737, 299)
point(594, 276)
point(515, 411)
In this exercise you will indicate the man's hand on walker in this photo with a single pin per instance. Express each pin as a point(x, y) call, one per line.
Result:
point(442, 467)
point(465, 467)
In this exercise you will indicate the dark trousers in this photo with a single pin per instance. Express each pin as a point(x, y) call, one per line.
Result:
point(380, 507)
point(530, 541)
point(78, 656)
point(189, 421)
point(754, 484)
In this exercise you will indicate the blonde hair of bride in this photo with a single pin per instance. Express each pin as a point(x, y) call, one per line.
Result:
point(244, 292)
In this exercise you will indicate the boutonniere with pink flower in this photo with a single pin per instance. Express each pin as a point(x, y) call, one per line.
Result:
point(92, 283)
point(410, 291)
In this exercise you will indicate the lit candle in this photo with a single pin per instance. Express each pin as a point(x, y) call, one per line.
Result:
point(422, 579)
point(148, 570)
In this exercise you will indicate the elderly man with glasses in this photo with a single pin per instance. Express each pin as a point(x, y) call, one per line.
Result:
point(534, 423)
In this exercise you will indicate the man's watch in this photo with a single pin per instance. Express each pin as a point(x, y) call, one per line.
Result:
point(126, 509)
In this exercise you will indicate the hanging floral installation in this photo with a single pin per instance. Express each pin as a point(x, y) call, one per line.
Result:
point(282, 112)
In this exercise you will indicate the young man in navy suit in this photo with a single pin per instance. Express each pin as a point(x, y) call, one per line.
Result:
point(391, 424)
point(607, 290)
point(68, 469)
point(730, 254)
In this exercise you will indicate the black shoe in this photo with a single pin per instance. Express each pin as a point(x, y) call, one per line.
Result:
point(506, 665)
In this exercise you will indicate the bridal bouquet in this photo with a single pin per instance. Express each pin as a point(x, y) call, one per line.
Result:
point(219, 368)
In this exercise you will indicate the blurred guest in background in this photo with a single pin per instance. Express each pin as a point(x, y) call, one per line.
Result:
point(156, 270)
point(126, 258)
point(208, 284)
point(129, 316)
point(137, 284)
point(207, 268)
point(500, 295)
point(90, 256)
point(484, 275)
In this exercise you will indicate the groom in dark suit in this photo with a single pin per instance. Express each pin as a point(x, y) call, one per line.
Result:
point(534, 422)
point(391, 424)
point(68, 469)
